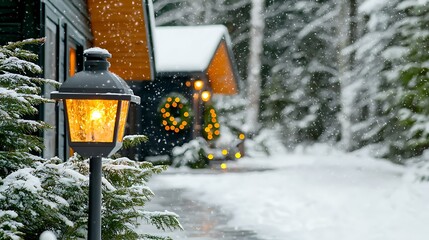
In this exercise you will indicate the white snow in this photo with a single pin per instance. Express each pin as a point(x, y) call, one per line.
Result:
point(47, 235)
point(22, 179)
point(97, 50)
point(412, 3)
point(372, 5)
point(187, 48)
point(314, 193)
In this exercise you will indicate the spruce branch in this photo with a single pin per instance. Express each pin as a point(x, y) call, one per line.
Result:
point(134, 140)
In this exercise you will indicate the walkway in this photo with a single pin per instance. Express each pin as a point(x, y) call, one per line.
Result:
point(201, 222)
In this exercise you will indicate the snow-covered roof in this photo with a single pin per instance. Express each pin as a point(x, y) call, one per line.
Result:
point(187, 48)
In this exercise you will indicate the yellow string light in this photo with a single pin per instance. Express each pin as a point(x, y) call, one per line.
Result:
point(241, 136)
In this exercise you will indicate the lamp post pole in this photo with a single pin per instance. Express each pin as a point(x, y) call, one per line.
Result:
point(197, 125)
point(96, 103)
point(94, 206)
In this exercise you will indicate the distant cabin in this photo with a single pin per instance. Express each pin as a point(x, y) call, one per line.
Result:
point(184, 54)
point(157, 63)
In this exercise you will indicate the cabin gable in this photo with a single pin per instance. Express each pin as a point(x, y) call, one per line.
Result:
point(220, 72)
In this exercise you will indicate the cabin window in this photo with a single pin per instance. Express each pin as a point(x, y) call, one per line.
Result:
point(75, 57)
point(72, 62)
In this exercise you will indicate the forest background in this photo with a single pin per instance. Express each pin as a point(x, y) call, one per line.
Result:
point(352, 73)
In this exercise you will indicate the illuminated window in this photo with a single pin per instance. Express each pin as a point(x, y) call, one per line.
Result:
point(72, 62)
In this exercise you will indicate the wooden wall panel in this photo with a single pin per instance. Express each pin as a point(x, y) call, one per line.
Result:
point(220, 72)
point(122, 29)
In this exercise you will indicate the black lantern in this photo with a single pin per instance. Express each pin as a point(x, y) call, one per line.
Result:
point(96, 103)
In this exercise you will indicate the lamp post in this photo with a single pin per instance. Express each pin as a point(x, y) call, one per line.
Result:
point(198, 86)
point(198, 96)
point(96, 106)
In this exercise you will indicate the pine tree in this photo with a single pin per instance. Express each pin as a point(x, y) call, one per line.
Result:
point(39, 194)
point(302, 87)
point(368, 105)
point(412, 88)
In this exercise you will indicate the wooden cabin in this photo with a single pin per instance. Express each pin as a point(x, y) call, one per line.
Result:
point(185, 55)
point(66, 25)
point(157, 63)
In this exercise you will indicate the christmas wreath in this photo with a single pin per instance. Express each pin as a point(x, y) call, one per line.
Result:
point(211, 127)
point(175, 112)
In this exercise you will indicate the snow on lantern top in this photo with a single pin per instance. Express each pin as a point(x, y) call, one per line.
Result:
point(97, 51)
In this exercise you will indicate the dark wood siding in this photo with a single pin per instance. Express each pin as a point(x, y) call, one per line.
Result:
point(74, 14)
point(19, 20)
point(66, 25)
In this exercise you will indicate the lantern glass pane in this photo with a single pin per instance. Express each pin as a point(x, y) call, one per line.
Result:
point(91, 120)
point(123, 119)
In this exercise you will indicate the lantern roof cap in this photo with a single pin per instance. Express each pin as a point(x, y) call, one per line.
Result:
point(97, 52)
point(95, 80)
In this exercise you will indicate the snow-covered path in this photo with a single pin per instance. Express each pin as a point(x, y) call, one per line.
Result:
point(313, 195)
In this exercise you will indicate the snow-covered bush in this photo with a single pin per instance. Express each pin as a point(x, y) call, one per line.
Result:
point(192, 154)
point(39, 194)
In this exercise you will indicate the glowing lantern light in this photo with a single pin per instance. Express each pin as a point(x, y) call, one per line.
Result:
point(210, 156)
point(205, 96)
point(238, 155)
point(223, 166)
point(96, 107)
point(198, 85)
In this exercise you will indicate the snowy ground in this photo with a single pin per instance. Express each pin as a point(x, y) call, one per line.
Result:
point(312, 194)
